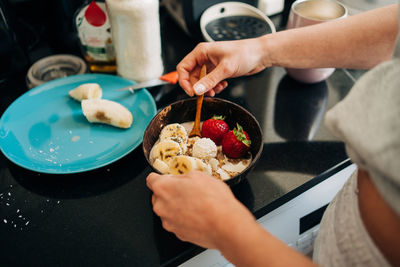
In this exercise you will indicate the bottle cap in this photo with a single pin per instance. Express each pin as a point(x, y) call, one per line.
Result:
point(54, 67)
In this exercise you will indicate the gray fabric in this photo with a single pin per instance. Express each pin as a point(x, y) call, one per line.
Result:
point(368, 121)
point(343, 240)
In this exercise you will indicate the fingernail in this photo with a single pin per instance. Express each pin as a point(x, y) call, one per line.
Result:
point(199, 88)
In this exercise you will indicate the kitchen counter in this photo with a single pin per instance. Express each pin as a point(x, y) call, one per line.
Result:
point(104, 217)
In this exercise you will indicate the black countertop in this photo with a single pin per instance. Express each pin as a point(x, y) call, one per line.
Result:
point(104, 217)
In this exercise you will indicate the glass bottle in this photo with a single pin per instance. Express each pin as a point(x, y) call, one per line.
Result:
point(94, 31)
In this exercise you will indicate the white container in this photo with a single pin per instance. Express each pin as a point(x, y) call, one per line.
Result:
point(135, 29)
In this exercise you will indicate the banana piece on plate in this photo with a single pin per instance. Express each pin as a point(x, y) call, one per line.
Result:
point(182, 164)
point(164, 151)
point(86, 91)
point(177, 133)
point(106, 111)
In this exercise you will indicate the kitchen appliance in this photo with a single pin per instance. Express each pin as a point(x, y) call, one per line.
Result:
point(234, 21)
point(296, 221)
point(188, 13)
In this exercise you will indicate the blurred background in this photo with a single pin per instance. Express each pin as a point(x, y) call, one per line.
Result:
point(32, 29)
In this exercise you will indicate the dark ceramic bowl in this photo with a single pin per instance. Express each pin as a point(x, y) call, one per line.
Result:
point(185, 110)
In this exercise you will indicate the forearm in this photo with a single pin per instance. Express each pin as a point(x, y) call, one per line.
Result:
point(360, 42)
point(244, 242)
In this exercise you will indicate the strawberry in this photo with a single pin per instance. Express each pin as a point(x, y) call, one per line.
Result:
point(236, 143)
point(215, 128)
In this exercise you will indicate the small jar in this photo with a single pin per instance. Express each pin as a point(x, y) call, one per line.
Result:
point(135, 29)
point(54, 67)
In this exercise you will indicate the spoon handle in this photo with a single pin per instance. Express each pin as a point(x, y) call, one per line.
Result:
point(203, 71)
point(199, 102)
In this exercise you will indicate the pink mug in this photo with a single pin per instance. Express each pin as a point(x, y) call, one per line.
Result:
point(309, 12)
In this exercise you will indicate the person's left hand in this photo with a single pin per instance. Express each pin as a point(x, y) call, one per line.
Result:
point(196, 207)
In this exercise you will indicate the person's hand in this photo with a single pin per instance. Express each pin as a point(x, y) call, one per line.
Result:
point(197, 207)
point(224, 60)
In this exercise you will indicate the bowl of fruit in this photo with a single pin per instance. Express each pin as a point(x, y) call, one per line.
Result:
point(230, 144)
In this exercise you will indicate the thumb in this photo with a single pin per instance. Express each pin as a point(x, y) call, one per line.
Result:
point(151, 179)
point(211, 80)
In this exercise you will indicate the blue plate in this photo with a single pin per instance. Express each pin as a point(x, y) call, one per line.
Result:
point(44, 130)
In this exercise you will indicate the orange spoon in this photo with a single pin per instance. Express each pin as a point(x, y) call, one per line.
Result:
point(199, 102)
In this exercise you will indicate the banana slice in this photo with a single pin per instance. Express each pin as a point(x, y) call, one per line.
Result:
point(161, 166)
point(223, 174)
point(86, 91)
point(204, 167)
point(174, 131)
point(214, 163)
point(106, 111)
point(165, 150)
point(182, 164)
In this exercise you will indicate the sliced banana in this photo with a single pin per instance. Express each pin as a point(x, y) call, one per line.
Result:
point(161, 166)
point(86, 91)
point(204, 167)
point(223, 174)
point(165, 150)
point(214, 163)
point(174, 131)
point(106, 111)
point(176, 153)
point(183, 146)
point(182, 164)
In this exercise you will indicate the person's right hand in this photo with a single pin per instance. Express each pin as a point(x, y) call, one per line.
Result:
point(224, 60)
